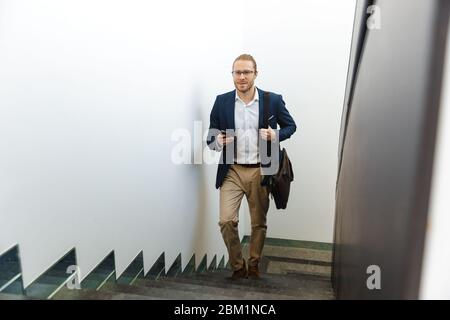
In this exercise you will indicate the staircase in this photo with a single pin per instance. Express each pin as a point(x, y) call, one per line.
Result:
point(290, 270)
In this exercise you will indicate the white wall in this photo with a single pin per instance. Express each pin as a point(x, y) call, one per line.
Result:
point(303, 49)
point(91, 92)
point(435, 281)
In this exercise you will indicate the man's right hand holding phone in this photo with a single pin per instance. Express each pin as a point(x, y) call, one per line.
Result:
point(222, 139)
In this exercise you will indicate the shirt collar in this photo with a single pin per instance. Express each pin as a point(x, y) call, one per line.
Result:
point(255, 97)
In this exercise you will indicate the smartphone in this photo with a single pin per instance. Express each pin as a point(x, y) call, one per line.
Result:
point(224, 132)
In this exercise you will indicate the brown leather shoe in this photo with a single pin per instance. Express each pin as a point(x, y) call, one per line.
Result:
point(241, 273)
point(253, 272)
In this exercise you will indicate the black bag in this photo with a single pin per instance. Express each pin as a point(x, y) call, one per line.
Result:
point(278, 184)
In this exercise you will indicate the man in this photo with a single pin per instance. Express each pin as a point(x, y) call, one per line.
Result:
point(236, 126)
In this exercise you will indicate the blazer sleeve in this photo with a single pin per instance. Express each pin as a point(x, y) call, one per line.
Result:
point(285, 120)
point(214, 130)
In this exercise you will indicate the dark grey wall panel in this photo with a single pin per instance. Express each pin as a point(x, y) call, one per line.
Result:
point(383, 184)
point(358, 35)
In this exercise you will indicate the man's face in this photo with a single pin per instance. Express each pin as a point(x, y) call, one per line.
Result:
point(244, 75)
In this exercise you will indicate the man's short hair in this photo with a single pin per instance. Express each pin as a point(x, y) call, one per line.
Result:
point(246, 57)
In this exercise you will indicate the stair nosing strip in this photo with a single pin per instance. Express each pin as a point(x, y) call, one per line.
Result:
point(134, 279)
point(104, 281)
point(299, 261)
point(7, 284)
point(61, 285)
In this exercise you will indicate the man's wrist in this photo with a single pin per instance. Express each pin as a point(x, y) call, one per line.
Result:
point(219, 145)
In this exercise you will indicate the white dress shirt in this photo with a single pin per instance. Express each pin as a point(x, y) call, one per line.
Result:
point(246, 120)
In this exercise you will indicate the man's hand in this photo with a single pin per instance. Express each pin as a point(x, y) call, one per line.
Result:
point(267, 134)
point(223, 140)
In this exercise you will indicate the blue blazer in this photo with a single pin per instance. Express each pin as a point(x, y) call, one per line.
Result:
point(222, 118)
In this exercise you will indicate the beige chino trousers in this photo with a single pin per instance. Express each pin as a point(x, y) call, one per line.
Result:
point(240, 181)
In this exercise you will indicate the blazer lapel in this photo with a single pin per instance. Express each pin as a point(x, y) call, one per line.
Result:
point(261, 107)
point(230, 110)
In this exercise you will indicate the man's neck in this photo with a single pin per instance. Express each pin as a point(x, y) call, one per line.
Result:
point(247, 96)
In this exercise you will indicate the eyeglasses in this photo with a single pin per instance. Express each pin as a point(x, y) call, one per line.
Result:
point(238, 73)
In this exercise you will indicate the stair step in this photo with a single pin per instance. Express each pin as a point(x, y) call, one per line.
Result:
point(97, 280)
point(15, 286)
point(10, 296)
point(7, 277)
point(92, 283)
point(287, 265)
point(298, 253)
point(272, 284)
point(89, 294)
point(40, 290)
point(100, 271)
point(291, 277)
point(215, 291)
point(53, 280)
point(46, 286)
point(166, 293)
point(7, 267)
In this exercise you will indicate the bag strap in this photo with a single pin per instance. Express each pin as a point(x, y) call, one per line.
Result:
point(266, 119)
point(266, 110)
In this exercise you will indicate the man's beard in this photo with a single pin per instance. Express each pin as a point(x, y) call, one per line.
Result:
point(250, 87)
